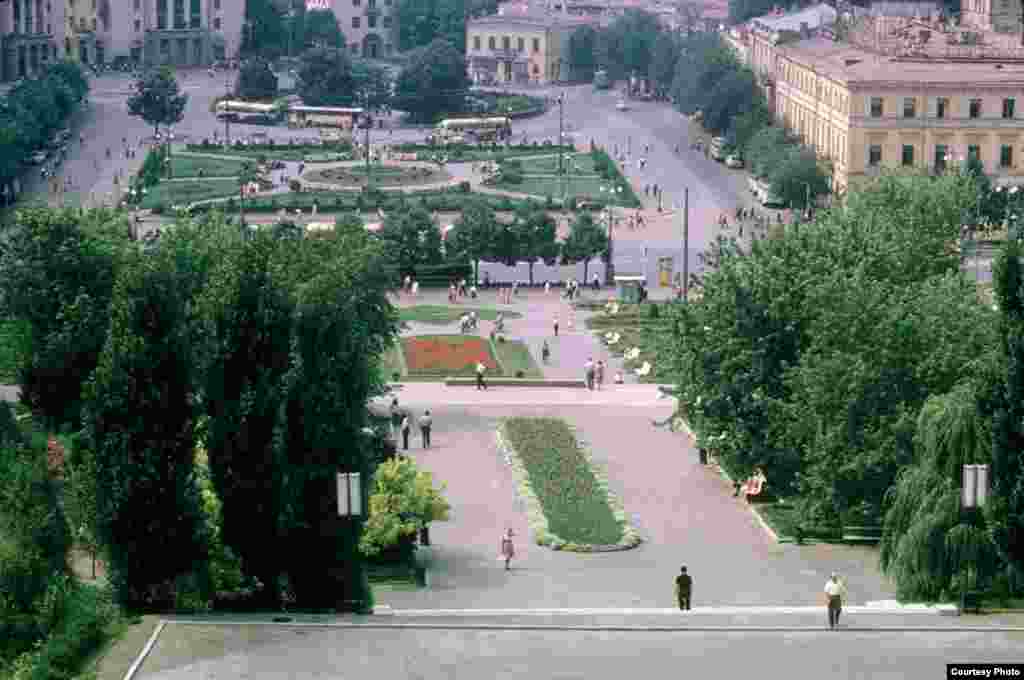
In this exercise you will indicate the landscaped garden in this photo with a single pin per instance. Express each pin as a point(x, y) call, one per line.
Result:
point(14, 339)
point(281, 152)
point(171, 193)
point(466, 153)
point(378, 173)
point(190, 165)
point(576, 509)
point(591, 177)
point(436, 357)
point(442, 314)
point(630, 331)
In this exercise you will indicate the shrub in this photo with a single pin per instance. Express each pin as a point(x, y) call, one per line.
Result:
point(403, 501)
point(464, 187)
point(511, 176)
point(653, 311)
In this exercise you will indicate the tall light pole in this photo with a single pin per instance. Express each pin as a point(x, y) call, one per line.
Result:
point(227, 114)
point(369, 124)
point(686, 244)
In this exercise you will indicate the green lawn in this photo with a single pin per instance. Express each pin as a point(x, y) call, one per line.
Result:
point(283, 154)
point(442, 315)
point(14, 341)
point(189, 165)
point(586, 188)
point(179, 193)
point(514, 356)
point(573, 502)
point(549, 165)
point(637, 329)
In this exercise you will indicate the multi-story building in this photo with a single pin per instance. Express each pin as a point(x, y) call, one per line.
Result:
point(30, 36)
point(370, 27)
point(520, 44)
point(900, 92)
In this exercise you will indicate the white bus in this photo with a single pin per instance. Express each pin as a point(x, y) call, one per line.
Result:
point(248, 112)
point(456, 130)
point(323, 116)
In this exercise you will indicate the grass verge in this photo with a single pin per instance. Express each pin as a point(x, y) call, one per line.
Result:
point(188, 165)
point(442, 315)
point(637, 329)
point(573, 501)
point(583, 188)
point(514, 356)
point(14, 345)
point(171, 193)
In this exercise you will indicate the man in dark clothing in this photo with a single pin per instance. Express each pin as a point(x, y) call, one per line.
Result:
point(684, 587)
point(426, 422)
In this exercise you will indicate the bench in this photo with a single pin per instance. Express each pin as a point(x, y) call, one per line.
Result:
point(864, 533)
point(516, 382)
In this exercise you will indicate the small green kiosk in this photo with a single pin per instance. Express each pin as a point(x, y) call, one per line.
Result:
point(628, 287)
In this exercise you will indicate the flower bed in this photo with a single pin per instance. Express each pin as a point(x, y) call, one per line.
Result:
point(447, 355)
point(569, 504)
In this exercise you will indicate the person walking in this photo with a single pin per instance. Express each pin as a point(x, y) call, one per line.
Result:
point(406, 429)
point(556, 326)
point(599, 373)
point(480, 368)
point(545, 352)
point(588, 373)
point(547, 288)
point(426, 422)
point(396, 418)
point(834, 591)
point(508, 549)
point(684, 589)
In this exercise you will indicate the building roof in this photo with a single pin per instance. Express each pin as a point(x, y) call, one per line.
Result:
point(814, 16)
point(849, 64)
point(529, 15)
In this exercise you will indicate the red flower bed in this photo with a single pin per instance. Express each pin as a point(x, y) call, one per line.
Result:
point(447, 354)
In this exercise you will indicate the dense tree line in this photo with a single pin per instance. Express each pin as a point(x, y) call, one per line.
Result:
point(32, 111)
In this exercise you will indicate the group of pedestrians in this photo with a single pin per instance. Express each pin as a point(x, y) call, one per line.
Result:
point(410, 286)
point(593, 373)
point(401, 423)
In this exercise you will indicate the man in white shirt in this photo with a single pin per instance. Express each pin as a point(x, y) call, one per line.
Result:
point(834, 591)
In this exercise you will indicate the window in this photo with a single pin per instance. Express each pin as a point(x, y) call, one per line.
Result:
point(354, 47)
point(371, 4)
point(1006, 156)
point(195, 14)
point(136, 5)
point(371, 21)
point(974, 108)
point(216, 23)
point(973, 153)
point(355, 22)
point(520, 44)
point(506, 43)
point(536, 44)
point(356, 3)
point(387, 24)
point(875, 155)
point(179, 13)
point(388, 48)
point(536, 70)
point(490, 43)
point(941, 106)
point(941, 156)
point(216, 5)
point(387, 3)
point(908, 155)
point(876, 107)
point(197, 51)
point(1009, 108)
point(138, 25)
point(476, 39)
point(909, 107)
point(165, 46)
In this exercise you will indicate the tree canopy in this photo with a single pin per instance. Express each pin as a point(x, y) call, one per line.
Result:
point(256, 80)
point(158, 99)
point(325, 78)
point(433, 81)
point(322, 30)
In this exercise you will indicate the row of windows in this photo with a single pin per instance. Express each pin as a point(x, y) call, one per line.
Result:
point(506, 43)
point(941, 155)
point(975, 108)
point(137, 5)
point(371, 21)
point(371, 4)
point(806, 81)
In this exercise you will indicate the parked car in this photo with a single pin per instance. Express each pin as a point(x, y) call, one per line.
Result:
point(733, 161)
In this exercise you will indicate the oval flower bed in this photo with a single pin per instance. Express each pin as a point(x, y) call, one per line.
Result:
point(447, 355)
point(569, 504)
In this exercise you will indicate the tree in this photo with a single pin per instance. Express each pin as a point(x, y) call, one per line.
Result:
point(741, 10)
point(473, 236)
point(733, 94)
point(403, 502)
point(538, 232)
point(798, 180)
point(410, 239)
point(434, 81)
point(256, 80)
point(148, 500)
point(421, 22)
point(664, 55)
point(766, 150)
point(587, 239)
point(266, 33)
point(325, 78)
point(250, 316)
point(322, 30)
point(582, 60)
point(371, 84)
point(509, 246)
point(60, 267)
point(625, 47)
point(158, 99)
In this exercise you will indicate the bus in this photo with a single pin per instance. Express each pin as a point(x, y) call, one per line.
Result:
point(456, 130)
point(323, 116)
point(601, 80)
point(248, 112)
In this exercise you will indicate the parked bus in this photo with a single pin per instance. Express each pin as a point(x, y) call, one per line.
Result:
point(323, 116)
point(248, 112)
point(456, 130)
point(601, 80)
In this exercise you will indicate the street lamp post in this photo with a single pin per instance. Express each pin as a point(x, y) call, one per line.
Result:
point(609, 272)
point(973, 495)
point(227, 114)
point(369, 124)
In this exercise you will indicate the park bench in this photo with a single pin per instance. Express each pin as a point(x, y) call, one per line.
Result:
point(862, 533)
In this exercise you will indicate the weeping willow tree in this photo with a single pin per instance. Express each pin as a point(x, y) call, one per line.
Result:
point(931, 548)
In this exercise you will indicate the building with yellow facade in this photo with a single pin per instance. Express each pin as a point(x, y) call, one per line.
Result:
point(907, 96)
point(520, 44)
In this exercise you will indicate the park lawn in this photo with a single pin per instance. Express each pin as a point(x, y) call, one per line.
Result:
point(442, 314)
point(188, 165)
point(168, 193)
point(14, 344)
point(637, 329)
point(585, 188)
point(514, 356)
point(573, 502)
point(548, 165)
